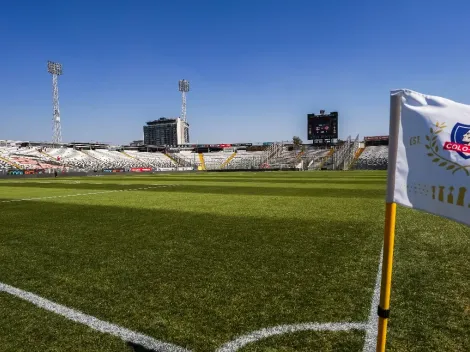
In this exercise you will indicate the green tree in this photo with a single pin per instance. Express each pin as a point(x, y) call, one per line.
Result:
point(297, 142)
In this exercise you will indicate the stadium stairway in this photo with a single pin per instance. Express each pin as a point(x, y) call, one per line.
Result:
point(130, 156)
point(89, 155)
point(356, 156)
point(180, 161)
point(18, 166)
point(203, 163)
point(136, 158)
point(229, 159)
point(328, 156)
point(49, 156)
point(171, 158)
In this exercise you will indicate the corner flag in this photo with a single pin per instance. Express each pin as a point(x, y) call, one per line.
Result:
point(428, 169)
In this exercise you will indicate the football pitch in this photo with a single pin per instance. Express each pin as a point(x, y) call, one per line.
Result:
point(266, 261)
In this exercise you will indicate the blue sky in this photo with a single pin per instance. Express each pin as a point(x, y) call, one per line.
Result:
point(256, 67)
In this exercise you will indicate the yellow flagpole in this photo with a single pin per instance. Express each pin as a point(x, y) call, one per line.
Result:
point(384, 307)
point(390, 220)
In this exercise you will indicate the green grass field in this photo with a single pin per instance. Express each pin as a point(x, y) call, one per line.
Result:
point(213, 256)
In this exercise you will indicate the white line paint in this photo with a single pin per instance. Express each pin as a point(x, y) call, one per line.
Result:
point(284, 329)
point(92, 322)
point(85, 194)
point(373, 322)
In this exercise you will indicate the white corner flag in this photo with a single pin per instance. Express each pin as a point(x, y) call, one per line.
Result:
point(429, 161)
point(428, 169)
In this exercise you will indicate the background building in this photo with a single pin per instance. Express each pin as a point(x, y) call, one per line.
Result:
point(137, 143)
point(165, 131)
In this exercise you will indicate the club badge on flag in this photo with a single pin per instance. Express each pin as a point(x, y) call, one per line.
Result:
point(430, 157)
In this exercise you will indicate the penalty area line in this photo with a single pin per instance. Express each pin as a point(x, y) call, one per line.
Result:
point(92, 322)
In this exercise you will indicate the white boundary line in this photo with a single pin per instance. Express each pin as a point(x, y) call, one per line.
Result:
point(92, 322)
point(373, 322)
point(86, 194)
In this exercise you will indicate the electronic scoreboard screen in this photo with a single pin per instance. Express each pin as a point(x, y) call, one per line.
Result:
point(322, 126)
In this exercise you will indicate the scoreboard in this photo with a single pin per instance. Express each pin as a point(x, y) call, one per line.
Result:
point(322, 127)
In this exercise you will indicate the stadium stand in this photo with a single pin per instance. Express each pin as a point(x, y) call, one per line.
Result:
point(278, 156)
point(214, 161)
point(373, 158)
point(348, 154)
point(108, 159)
point(25, 158)
point(229, 159)
point(152, 159)
point(187, 157)
point(4, 166)
point(316, 157)
point(74, 159)
point(246, 160)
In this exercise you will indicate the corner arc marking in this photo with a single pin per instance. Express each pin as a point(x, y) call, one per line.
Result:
point(255, 336)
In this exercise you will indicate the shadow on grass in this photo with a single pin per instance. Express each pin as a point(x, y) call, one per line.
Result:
point(302, 181)
point(209, 189)
point(138, 348)
point(319, 178)
point(326, 179)
point(195, 280)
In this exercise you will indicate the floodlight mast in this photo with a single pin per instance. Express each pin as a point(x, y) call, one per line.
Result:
point(183, 87)
point(55, 69)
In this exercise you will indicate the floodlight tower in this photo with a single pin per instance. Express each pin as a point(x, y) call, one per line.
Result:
point(183, 87)
point(55, 69)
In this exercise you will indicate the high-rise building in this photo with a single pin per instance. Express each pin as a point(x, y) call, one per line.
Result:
point(165, 131)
